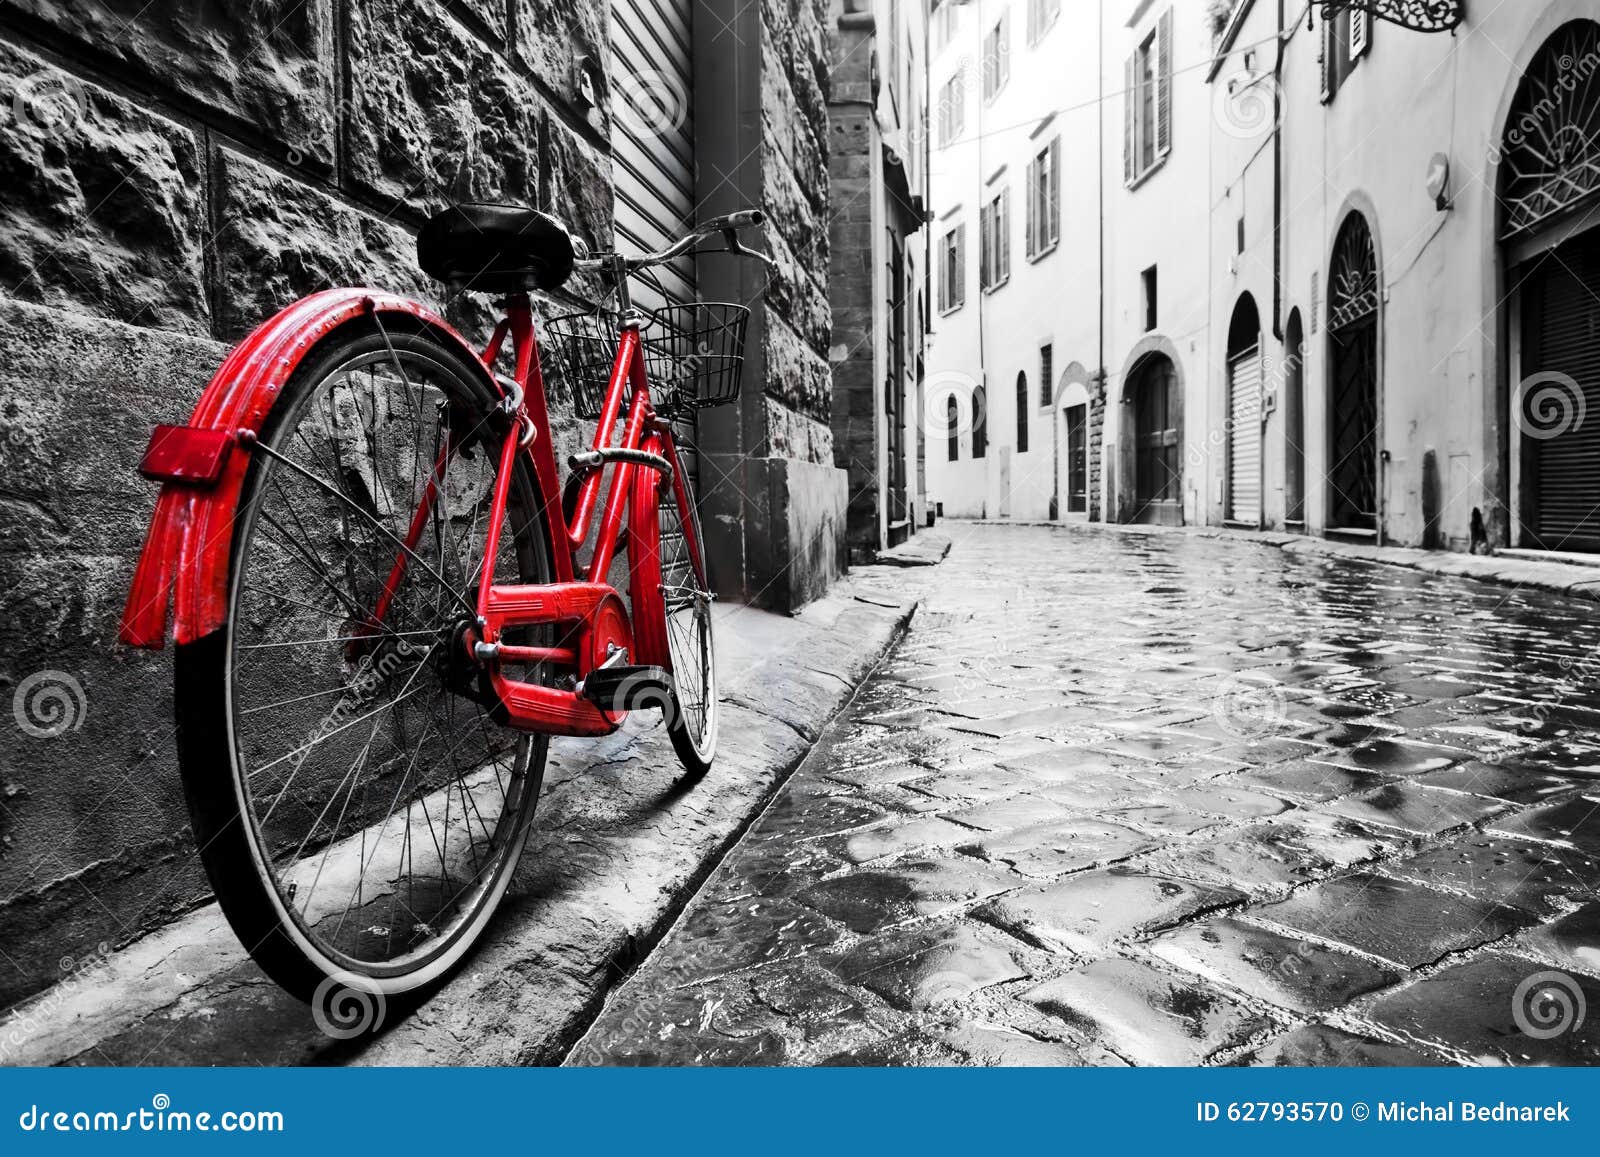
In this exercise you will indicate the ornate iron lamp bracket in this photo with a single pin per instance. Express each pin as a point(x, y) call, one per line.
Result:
point(1417, 15)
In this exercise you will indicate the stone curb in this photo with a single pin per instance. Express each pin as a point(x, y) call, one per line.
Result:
point(621, 844)
point(1568, 579)
point(925, 549)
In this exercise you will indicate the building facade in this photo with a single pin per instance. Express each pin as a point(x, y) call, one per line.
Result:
point(1317, 315)
point(1428, 357)
point(180, 172)
point(878, 284)
point(1015, 336)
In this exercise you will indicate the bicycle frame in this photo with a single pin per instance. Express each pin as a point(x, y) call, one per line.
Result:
point(202, 467)
point(596, 621)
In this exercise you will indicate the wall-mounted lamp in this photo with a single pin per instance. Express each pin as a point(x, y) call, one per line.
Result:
point(1439, 181)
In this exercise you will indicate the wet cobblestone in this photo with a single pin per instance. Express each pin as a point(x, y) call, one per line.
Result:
point(1156, 799)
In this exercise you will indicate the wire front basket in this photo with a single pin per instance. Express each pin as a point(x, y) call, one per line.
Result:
point(693, 355)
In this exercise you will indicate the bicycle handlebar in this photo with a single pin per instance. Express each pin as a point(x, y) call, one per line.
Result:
point(728, 224)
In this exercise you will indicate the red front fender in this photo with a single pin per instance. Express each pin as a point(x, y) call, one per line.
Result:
point(190, 542)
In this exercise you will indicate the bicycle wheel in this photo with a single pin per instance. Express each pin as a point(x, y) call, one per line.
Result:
point(686, 598)
point(358, 810)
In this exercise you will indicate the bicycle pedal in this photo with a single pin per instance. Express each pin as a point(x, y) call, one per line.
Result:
point(628, 688)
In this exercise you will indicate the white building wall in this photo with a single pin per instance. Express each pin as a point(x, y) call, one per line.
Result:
point(1161, 222)
point(1445, 351)
point(1051, 91)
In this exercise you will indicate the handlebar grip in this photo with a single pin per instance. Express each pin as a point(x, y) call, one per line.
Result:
point(742, 219)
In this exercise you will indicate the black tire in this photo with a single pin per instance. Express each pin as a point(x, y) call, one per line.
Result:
point(238, 836)
point(694, 736)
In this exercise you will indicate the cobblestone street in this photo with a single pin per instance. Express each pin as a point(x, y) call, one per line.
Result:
point(1157, 799)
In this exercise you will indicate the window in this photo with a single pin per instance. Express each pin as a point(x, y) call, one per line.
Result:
point(1346, 38)
point(953, 107)
point(1022, 413)
point(997, 57)
point(1150, 284)
point(952, 418)
point(994, 242)
point(953, 270)
point(1044, 200)
point(980, 423)
point(944, 23)
point(892, 35)
point(1041, 15)
point(1047, 373)
point(1147, 122)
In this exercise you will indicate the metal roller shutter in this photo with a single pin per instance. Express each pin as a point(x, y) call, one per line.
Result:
point(652, 136)
point(1562, 350)
point(1244, 437)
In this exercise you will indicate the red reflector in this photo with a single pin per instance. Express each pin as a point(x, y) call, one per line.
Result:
point(186, 454)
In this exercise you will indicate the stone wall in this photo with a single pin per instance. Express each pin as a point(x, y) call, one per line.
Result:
point(175, 173)
point(793, 497)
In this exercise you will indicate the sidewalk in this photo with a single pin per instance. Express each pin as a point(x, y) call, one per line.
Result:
point(1574, 580)
point(620, 845)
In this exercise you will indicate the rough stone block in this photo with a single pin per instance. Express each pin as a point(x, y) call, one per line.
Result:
point(798, 376)
point(281, 240)
point(105, 207)
point(265, 62)
point(96, 809)
point(553, 36)
point(452, 121)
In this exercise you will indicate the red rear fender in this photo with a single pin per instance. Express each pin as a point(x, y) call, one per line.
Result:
point(187, 551)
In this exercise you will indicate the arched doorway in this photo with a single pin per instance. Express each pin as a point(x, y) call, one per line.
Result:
point(1550, 202)
point(1072, 406)
point(1244, 414)
point(1353, 298)
point(1157, 442)
point(1294, 420)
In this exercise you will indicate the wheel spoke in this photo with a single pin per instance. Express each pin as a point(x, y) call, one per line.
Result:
point(384, 812)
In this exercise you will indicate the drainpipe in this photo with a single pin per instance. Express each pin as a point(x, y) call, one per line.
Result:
point(1101, 384)
point(1277, 186)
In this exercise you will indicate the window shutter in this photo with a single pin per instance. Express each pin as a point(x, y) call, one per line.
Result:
point(1031, 227)
point(1005, 234)
point(1130, 107)
point(961, 264)
point(1360, 33)
point(1053, 205)
point(1327, 59)
point(1164, 85)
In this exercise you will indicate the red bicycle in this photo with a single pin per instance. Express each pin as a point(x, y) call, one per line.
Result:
point(384, 601)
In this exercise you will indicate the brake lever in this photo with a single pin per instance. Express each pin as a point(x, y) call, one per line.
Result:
point(731, 236)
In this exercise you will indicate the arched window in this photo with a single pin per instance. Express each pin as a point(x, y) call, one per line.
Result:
point(1354, 301)
point(980, 423)
point(952, 419)
point(1550, 154)
point(1022, 413)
